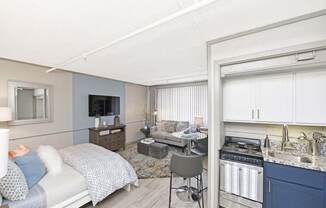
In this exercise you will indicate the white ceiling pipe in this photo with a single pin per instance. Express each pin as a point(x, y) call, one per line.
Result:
point(136, 32)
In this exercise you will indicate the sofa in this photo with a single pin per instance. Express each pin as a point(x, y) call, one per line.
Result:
point(163, 131)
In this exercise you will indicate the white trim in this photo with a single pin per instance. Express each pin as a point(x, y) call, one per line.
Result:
point(194, 77)
point(75, 201)
point(167, 19)
point(268, 27)
point(214, 132)
point(301, 48)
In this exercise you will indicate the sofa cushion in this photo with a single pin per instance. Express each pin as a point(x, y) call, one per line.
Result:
point(182, 125)
point(165, 136)
point(158, 134)
point(170, 126)
point(160, 126)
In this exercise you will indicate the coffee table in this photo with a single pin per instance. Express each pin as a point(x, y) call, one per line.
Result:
point(189, 138)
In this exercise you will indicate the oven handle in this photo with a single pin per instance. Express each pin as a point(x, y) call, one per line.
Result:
point(260, 169)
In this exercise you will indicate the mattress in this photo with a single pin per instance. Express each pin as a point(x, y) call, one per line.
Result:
point(65, 185)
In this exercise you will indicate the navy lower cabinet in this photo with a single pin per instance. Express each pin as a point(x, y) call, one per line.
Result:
point(291, 187)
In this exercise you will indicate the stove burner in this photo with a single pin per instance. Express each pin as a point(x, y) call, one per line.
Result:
point(242, 150)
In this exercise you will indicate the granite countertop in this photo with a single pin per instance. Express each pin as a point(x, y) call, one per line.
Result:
point(289, 158)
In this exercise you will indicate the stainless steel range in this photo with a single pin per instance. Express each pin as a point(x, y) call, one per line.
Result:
point(241, 173)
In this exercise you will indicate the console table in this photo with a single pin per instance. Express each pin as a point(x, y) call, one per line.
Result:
point(110, 137)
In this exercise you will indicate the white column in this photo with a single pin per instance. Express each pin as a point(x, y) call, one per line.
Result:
point(215, 130)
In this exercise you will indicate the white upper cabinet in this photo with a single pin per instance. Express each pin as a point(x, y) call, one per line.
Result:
point(238, 94)
point(310, 101)
point(274, 98)
point(261, 99)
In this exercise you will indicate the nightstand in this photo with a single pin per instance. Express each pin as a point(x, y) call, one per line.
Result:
point(4, 206)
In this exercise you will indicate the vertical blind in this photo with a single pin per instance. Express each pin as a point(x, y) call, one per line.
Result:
point(182, 103)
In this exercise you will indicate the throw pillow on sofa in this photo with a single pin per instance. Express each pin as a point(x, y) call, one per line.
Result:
point(170, 126)
point(182, 125)
point(51, 158)
point(13, 186)
point(32, 167)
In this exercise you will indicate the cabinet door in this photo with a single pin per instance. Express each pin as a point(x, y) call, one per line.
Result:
point(238, 99)
point(280, 194)
point(310, 97)
point(274, 98)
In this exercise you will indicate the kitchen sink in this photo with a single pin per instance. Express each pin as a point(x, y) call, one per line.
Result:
point(281, 156)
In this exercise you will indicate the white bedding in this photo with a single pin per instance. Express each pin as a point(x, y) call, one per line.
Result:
point(65, 185)
point(104, 171)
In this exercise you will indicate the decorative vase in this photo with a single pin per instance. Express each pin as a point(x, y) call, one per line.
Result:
point(97, 121)
point(116, 121)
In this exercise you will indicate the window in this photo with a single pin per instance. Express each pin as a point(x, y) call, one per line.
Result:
point(182, 103)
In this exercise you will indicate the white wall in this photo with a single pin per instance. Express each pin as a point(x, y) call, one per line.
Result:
point(135, 104)
point(57, 133)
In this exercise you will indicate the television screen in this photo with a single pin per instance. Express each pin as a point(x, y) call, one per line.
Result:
point(100, 105)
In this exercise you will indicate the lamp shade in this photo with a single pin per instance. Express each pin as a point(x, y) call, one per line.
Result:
point(198, 121)
point(5, 114)
point(4, 140)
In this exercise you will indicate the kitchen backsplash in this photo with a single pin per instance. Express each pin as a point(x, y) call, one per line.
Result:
point(274, 132)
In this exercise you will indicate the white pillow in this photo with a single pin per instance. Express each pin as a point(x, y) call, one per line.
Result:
point(51, 159)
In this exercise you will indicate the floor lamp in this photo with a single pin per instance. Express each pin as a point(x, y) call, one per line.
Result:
point(155, 116)
point(5, 115)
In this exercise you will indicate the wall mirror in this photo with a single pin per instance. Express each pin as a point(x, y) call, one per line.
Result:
point(30, 102)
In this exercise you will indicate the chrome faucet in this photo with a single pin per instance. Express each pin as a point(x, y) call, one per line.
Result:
point(314, 147)
point(285, 137)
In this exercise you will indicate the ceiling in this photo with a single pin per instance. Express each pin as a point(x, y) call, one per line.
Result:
point(50, 33)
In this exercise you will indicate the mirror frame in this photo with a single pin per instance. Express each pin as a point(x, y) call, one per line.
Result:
point(12, 104)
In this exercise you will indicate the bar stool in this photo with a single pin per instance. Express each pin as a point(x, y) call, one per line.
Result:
point(187, 167)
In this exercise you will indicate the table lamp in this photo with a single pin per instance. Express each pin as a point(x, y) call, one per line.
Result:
point(198, 122)
point(5, 115)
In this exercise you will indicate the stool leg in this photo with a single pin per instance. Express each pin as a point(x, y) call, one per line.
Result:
point(199, 189)
point(202, 190)
point(199, 204)
point(171, 177)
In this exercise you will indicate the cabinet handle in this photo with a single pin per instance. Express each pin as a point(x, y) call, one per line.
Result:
point(252, 114)
point(269, 186)
point(258, 114)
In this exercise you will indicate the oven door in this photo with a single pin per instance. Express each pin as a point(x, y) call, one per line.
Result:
point(242, 180)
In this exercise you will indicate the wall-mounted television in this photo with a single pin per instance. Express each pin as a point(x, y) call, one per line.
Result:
point(100, 105)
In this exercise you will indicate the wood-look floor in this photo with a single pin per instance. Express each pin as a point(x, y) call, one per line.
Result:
point(152, 193)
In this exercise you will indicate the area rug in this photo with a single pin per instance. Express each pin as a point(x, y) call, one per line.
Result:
point(146, 166)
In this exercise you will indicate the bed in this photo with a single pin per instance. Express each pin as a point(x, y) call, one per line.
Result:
point(90, 173)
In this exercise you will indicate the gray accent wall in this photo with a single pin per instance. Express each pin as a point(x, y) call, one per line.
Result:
point(83, 85)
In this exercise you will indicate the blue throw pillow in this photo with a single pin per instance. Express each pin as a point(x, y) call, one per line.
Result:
point(32, 167)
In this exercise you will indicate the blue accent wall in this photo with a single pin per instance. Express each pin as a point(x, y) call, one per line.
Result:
point(83, 85)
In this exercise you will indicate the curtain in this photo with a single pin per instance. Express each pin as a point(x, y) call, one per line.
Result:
point(151, 105)
point(182, 103)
